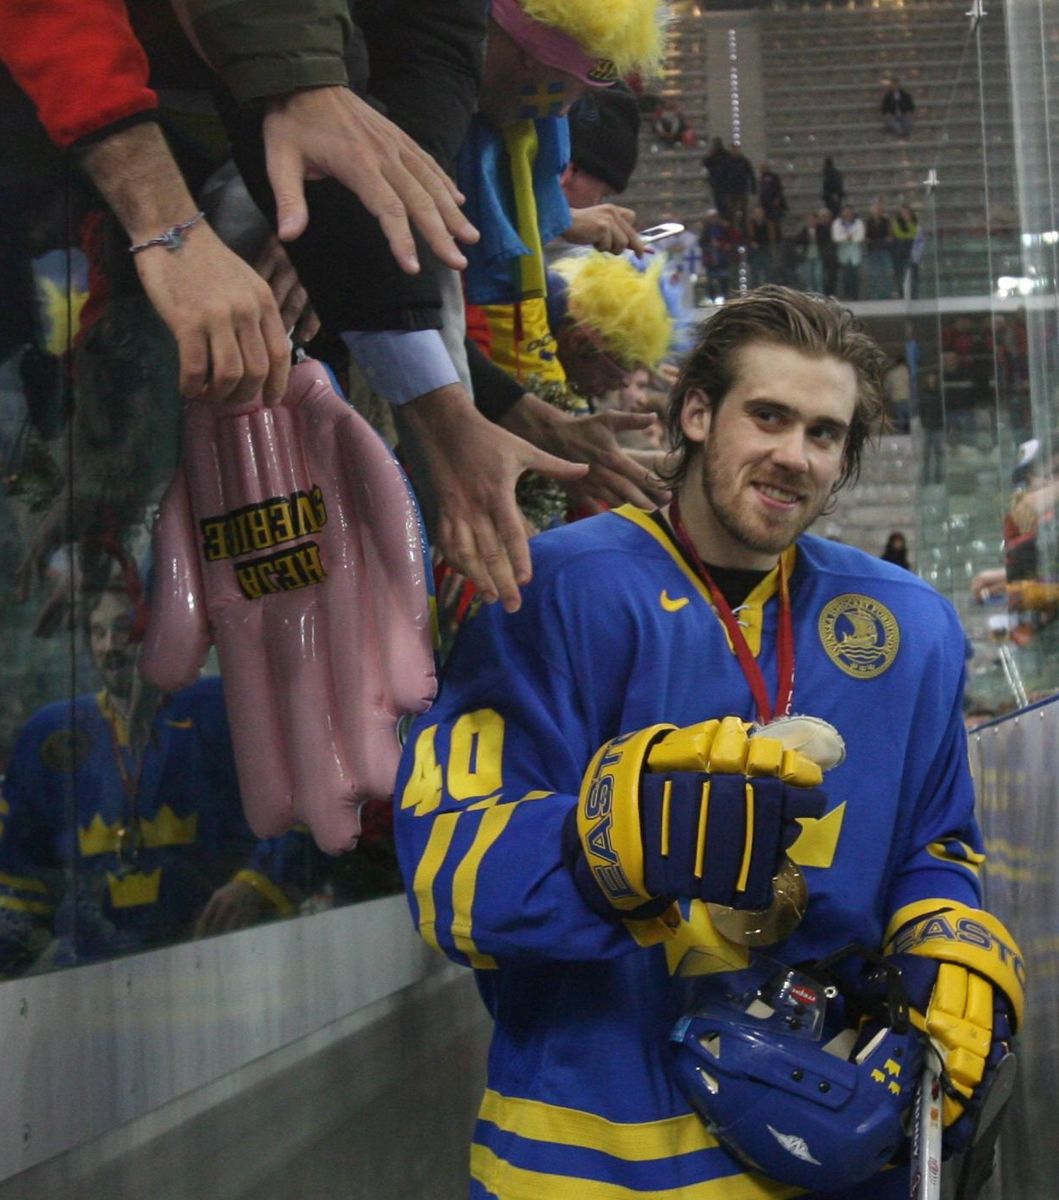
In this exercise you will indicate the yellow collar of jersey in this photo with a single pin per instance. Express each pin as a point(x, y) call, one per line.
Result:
point(751, 611)
point(111, 715)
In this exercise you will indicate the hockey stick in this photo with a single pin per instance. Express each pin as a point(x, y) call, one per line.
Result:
point(977, 1163)
point(979, 1159)
point(926, 1138)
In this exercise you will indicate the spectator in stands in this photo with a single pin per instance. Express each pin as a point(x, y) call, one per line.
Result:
point(828, 251)
point(897, 108)
point(1004, 338)
point(1028, 578)
point(604, 146)
point(771, 198)
point(609, 319)
point(671, 125)
point(915, 260)
point(718, 164)
point(896, 550)
point(810, 243)
point(904, 226)
point(833, 190)
point(633, 397)
point(719, 242)
point(898, 385)
point(847, 233)
point(961, 337)
point(931, 412)
point(742, 185)
point(959, 396)
point(761, 244)
point(604, 127)
point(877, 253)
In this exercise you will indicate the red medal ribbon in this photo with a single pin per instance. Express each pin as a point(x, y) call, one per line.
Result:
point(129, 836)
point(747, 661)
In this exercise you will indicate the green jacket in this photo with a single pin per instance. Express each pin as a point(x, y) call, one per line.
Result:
point(265, 48)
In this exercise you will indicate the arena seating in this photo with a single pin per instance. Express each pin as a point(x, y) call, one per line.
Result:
point(821, 78)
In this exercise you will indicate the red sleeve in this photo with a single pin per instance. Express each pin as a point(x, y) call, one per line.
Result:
point(78, 61)
point(478, 329)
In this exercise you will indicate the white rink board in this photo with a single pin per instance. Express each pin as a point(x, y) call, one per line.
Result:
point(87, 1049)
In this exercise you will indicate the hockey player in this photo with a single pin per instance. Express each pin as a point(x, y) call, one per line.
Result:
point(108, 846)
point(555, 826)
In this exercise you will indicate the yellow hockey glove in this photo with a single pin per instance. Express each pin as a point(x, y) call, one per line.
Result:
point(965, 978)
point(705, 812)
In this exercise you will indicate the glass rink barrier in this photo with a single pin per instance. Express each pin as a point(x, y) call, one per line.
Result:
point(177, 990)
point(1015, 761)
point(151, 943)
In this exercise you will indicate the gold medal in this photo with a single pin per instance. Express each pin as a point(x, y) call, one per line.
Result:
point(766, 926)
point(129, 841)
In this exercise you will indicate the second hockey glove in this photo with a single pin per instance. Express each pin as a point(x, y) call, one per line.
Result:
point(965, 977)
point(701, 813)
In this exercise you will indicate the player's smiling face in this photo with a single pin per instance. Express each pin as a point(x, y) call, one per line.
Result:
point(772, 453)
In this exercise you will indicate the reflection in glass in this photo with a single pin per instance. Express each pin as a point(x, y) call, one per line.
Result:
point(157, 848)
point(121, 825)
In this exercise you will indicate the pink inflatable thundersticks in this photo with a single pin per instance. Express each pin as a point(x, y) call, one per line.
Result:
point(289, 537)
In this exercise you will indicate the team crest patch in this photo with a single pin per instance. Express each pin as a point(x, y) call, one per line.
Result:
point(860, 635)
point(65, 749)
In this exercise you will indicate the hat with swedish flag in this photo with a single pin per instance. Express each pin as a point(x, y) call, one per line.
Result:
point(596, 41)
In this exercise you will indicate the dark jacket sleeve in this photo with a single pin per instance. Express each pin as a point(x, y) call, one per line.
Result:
point(495, 391)
point(264, 48)
point(425, 62)
point(424, 71)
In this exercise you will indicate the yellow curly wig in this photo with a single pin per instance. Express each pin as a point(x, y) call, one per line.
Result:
point(626, 306)
point(628, 32)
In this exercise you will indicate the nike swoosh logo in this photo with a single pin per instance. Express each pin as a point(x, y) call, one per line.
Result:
point(672, 605)
point(186, 723)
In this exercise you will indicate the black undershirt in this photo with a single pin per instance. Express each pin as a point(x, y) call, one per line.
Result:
point(734, 583)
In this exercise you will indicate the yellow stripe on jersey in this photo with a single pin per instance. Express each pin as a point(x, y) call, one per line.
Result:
point(464, 880)
point(639, 1142)
point(751, 610)
point(748, 842)
point(954, 851)
point(423, 885)
point(497, 813)
point(39, 907)
point(700, 835)
point(509, 1182)
point(638, 517)
point(22, 883)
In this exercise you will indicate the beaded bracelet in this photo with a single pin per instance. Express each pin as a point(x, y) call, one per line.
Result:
point(172, 238)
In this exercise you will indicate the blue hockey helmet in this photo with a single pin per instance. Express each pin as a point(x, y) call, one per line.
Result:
point(758, 1059)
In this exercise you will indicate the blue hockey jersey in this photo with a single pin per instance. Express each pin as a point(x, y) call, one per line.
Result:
point(616, 633)
point(103, 852)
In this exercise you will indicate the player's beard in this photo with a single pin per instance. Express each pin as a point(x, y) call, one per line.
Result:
point(117, 669)
point(729, 495)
